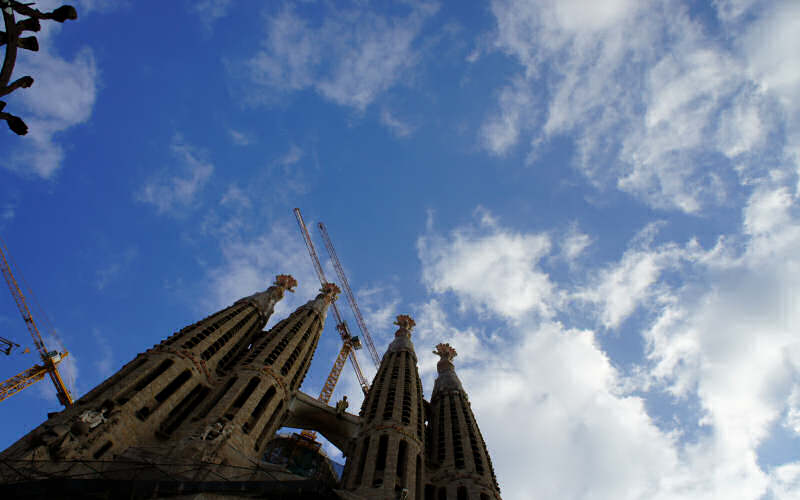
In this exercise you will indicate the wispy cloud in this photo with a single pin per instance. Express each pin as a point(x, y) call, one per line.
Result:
point(240, 138)
point(292, 156)
point(210, 11)
point(169, 192)
point(355, 55)
point(398, 127)
point(117, 265)
point(104, 355)
point(686, 98)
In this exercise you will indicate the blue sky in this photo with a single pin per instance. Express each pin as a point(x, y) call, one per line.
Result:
point(595, 203)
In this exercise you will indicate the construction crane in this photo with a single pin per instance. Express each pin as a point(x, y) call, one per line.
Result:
point(8, 346)
point(349, 293)
point(350, 343)
point(50, 359)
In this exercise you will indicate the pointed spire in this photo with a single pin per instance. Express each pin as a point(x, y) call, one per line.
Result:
point(402, 337)
point(447, 379)
point(265, 301)
point(327, 295)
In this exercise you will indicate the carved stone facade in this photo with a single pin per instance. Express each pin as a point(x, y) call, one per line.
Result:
point(459, 466)
point(387, 458)
point(194, 415)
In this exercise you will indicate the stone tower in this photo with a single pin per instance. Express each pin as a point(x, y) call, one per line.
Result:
point(387, 456)
point(193, 416)
point(459, 467)
point(197, 384)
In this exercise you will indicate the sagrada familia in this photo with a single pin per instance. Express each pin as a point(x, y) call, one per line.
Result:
point(193, 417)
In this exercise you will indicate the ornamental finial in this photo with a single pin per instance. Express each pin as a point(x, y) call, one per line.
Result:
point(405, 322)
point(330, 291)
point(446, 352)
point(285, 281)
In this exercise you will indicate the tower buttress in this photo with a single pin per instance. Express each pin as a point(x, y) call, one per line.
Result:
point(459, 465)
point(387, 456)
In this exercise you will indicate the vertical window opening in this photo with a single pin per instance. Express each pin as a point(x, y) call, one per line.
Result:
point(473, 442)
point(224, 338)
point(258, 410)
point(289, 364)
point(380, 461)
point(241, 349)
point(242, 399)
point(402, 451)
point(440, 433)
point(210, 406)
point(278, 349)
point(300, 374)
point(455, 429)
point(461, 493)
point(406, 411)
point(182, 410)
point(420, 412)
point(266, 430)
point(388, 408)
point(442, 493)
point(164, 394)
point(145, 381)
point(362, 462)
point(173, 386)
point(377, 389)
point(259, 347)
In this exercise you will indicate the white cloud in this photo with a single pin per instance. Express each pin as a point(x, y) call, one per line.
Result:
point(62, 96)
point(719, 329)
point(574, 243)
point(251, 262)
point(170, 193)
point(489, 268)
point(649, 98)
point(398, 127)
point(351, 58)
point(501, 131)
point(786, 482)
point(620, 288)
point(378, 305)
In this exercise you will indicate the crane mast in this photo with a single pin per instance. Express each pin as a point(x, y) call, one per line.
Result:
point(50, 359)
point(350, 343)
point(349, 293)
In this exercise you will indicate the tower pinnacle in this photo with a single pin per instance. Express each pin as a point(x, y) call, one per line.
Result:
point(265, 301)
